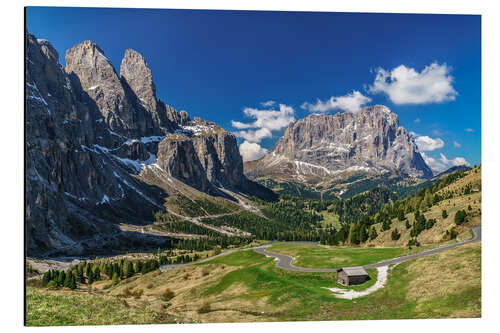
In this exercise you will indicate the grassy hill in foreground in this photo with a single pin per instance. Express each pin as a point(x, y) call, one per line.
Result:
point(246, 286)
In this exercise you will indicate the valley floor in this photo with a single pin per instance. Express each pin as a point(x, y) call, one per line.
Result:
point(247, 286)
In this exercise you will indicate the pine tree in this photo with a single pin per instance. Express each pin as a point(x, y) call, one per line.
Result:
point(97, 274)
point(352, 238)
point(460, 217)
point(72, 282)
point(128, 270)
point(61, 278)
point(45, 279)
point(373, 233)
point(115, 278)
point(88, 269)
point(363, 235)
point(138, 266)
point(395, 235)
point(386, 225)
point(90, 277)
point(67, 280)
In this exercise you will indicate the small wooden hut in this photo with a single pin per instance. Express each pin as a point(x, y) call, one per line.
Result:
point(348, 276)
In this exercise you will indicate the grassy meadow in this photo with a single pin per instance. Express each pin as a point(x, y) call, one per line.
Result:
point(313, 256)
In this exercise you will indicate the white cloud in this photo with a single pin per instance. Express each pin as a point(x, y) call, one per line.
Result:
point(432, 162)
point(457, 161)
point(251, 151)
point(417, 120)
point(426, 143)
point(351, 102)
point(470, 130)
point(268, 103)
point(443, 163)
point(254, 135)
point(456, 144)
point(405, 85)
point(266, 121)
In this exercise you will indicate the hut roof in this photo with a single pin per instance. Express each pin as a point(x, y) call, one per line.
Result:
point(354, 271)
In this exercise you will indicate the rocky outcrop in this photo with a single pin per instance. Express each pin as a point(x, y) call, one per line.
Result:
point(90, 137)
point(177, 156)
point(324, 146)
point(137, 78)
point(180, 118)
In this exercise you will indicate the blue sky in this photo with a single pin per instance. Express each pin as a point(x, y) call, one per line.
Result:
point(219, 64)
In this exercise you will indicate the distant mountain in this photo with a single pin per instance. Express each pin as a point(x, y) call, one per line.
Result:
point(452, 169)
point(101, 148)
point(323, 151)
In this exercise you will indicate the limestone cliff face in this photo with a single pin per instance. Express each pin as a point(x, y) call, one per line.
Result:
point(90, 136)
point(137, 77)
point(326, 145)
point(218, 152)
point(177, 156)
point(75, 188)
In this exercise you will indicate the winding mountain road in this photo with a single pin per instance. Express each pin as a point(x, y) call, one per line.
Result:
point(285, 261)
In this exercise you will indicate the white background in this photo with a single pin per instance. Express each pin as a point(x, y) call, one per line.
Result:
point(11, 162)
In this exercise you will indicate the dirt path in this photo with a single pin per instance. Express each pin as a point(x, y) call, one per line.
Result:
point(148, 229)
point(350, 293)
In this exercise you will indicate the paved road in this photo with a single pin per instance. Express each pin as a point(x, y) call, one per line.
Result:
point(165, 268)
point(476, 238)
point(285, 261)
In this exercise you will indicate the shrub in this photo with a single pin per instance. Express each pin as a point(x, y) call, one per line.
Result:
point(460, 217)
point(444, 214)
point(412, 242)
point(126, 292)
point(395, 235)
point(167, 295)
point(450, 234)
point(386, 225)
point(138, 293)
point(430, 223)
point(205, 308)
point(52, 284)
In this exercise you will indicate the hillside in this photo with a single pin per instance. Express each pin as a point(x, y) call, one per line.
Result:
point(466, 192)
point(246, 286)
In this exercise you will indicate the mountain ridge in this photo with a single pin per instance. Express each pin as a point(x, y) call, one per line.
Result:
point(101, 149)
point(321, 150)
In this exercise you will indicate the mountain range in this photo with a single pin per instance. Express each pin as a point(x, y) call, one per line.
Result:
point(103, 149)
point(331, 152)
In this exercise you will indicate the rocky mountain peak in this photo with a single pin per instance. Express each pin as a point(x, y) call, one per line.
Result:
point(137, 75)
point(96, 75)
point(48, 50)
point(102, 149)
point(367, 141)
